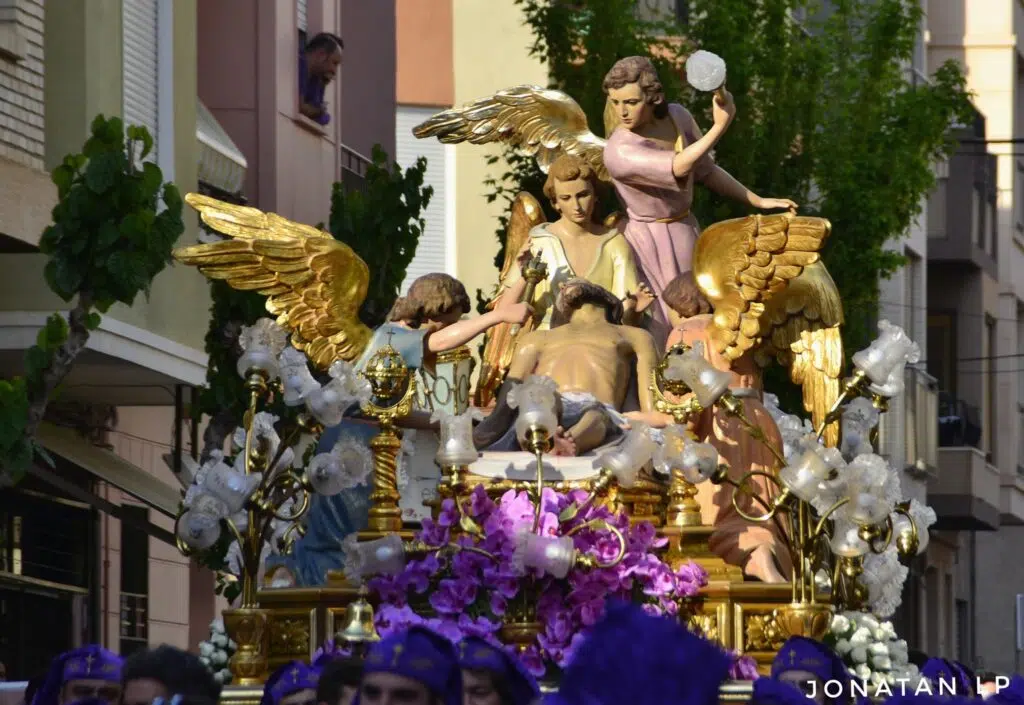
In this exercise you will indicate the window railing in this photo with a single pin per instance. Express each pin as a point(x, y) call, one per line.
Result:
point(134, 617)
point(959, 422)
point(353, 169)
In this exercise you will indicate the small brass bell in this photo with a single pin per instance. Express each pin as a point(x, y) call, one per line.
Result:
point(358, 630)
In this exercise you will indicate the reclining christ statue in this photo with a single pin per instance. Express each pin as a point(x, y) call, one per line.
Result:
point(591, 358)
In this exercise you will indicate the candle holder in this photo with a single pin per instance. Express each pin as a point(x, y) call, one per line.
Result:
point(393, 390)
point(536, 398)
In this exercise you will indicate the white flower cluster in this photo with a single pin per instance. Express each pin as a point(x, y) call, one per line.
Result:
point(216, 651)
point(871, 650)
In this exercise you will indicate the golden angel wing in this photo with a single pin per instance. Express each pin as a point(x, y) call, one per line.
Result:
point(499, 343)
point(542, 123)
point(314, 284)
point(740, 264)
point(800, 329)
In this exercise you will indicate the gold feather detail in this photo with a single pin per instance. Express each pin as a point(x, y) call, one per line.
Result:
point(540, 122)
point(314, 284)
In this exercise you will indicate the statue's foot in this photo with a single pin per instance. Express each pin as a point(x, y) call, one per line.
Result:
point(565, 446)
point(761, 565)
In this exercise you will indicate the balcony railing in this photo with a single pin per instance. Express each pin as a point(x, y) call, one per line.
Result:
point(353, 169)
point(922, 431)
point(959, 422)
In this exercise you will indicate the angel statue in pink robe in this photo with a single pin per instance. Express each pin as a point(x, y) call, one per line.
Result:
point(653, 154)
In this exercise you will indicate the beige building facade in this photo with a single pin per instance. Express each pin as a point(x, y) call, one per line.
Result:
point(976, 326)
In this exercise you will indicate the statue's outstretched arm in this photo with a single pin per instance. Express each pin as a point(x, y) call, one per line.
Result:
point(458, 334)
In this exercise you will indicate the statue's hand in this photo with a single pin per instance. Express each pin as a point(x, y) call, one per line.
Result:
point(524, 256)
point(767, 204)
point(516, 313)
point(644, 297)
point(723, 109)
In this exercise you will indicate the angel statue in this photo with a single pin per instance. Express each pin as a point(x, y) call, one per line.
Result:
point(652, 157)
point(315, 285)
point(575, 246)
point(758, 292)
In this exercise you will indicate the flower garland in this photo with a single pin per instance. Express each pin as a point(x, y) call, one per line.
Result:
point(871, 650)
point(469, 594)
point(217, 651)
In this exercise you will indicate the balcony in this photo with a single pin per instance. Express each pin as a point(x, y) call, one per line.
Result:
point(966, 493)
point(959, 422)
point(353, 169)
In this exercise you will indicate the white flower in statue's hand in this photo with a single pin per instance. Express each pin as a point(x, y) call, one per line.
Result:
point(862, 671)
point(843, 647)
point(220, 658)
point(840, 624)
point(859, 654)
point(225, 675)
point(888, 630)
point(219, 640)
point(217, 626)
point(232, 646)
point(205, 660)
point(206, 649)
point(877, 678)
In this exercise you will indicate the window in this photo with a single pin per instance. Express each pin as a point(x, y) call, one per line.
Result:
point(140, 38)
point(937, 208)
point(134, 582)
point(302, 22)
point(942, 357)
point(980, 205)
point(990, 385)
point(1019, 200)
point(963, 626)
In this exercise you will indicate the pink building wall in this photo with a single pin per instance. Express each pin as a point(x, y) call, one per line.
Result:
point(248, 78)
point(181, 599)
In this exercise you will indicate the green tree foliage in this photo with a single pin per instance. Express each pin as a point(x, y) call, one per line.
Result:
point(828, 113)
point(113, 229)
point(383, 224)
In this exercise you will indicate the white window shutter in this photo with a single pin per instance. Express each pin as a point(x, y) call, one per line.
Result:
point(432, 250)
point(140, 51)
point(301, 14)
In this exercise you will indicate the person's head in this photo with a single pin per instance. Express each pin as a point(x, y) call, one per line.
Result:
point(433, 298)
point(88, 672)
point(684, 299)
point(808, 665)
point(339, 681)
point(294, 683)
point(492, 676)
point(164, 672)
point(947, 676)
point(987, 684)
point(675, 665)
point(635, 92)
point(414, 667)
point(577, 293)
point(323, 56)
point(571, 187)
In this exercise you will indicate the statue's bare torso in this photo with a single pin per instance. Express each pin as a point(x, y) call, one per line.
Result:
point(593, 358)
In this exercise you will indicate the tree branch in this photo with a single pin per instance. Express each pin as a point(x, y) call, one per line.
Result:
point(61, 363)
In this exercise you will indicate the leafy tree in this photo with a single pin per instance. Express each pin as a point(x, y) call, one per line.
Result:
point(827, 113)
point(109, 239)
point(383, 224)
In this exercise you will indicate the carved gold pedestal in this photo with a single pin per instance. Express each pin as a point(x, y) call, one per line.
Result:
point(690, 543)
point(247, 627)
point(741, 616)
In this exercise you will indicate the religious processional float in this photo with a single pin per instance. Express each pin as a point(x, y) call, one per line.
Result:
point(523, 548)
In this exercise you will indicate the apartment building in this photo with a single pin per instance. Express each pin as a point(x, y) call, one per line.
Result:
point(87, 551)
point(975, 333)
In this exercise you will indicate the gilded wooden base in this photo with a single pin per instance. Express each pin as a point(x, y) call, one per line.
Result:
point(690, 543)
point(302, 619)
point(741, 616)
point(247, 627)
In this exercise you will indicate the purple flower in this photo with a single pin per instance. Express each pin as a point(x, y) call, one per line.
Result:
point(692, 574)
point(531, 659)
point(433, 534)
point(743, 668)
point(390, 619)
point(453, 596)
point(498, 604)
point(479, 502)
point(479, 626)
point(447, 628)
point(449, 515)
